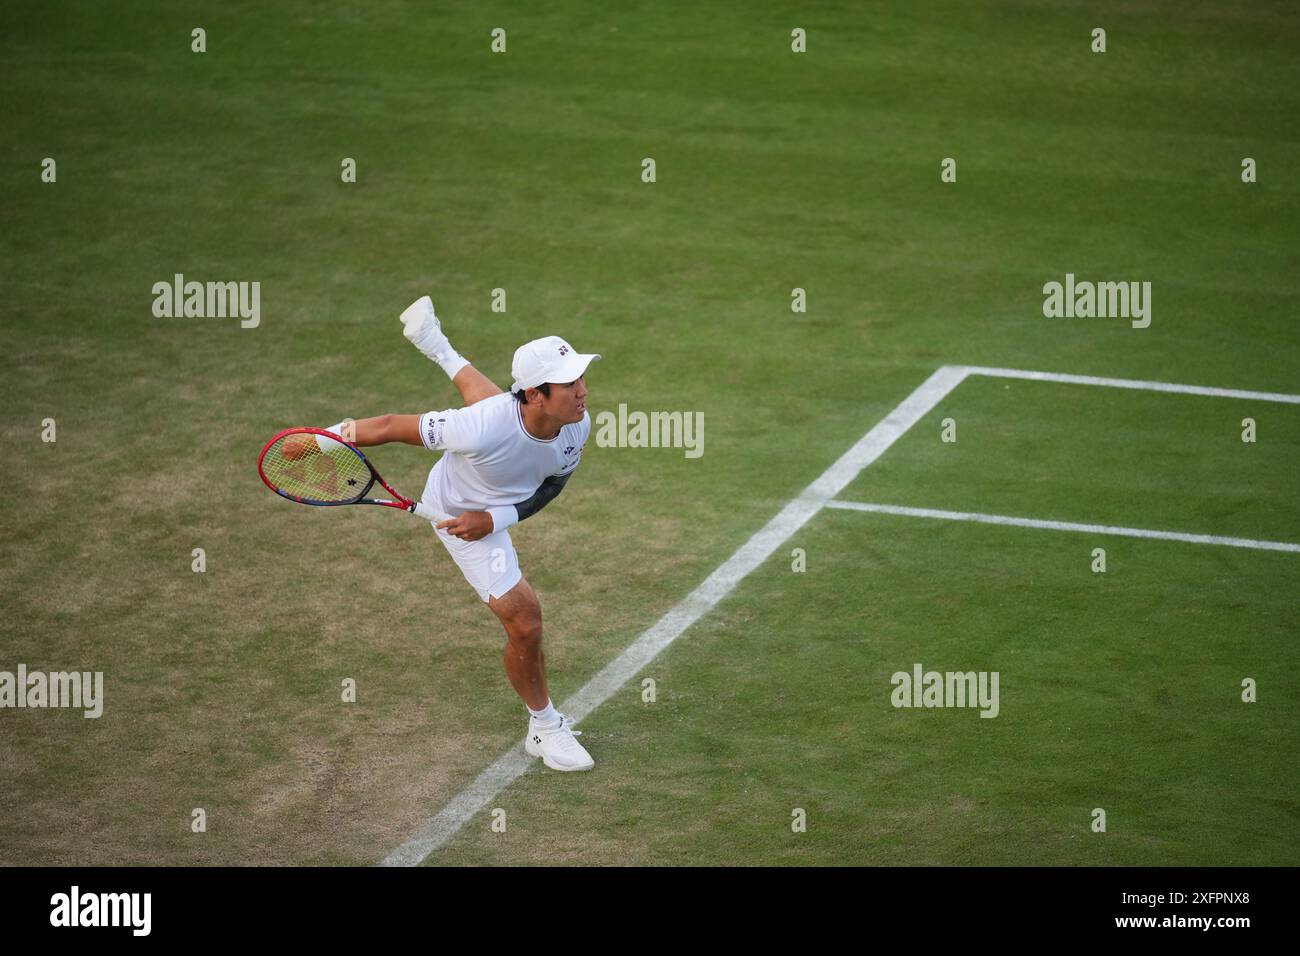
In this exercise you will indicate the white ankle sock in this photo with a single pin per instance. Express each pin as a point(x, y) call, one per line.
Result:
point(451, 361)
point(547, 717)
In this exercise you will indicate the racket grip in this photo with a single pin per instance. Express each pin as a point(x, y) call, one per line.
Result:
point(429, 514)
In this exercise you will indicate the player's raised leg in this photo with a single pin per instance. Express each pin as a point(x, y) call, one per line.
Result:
point(421, 326)
point(474, 386)
point(550, 733)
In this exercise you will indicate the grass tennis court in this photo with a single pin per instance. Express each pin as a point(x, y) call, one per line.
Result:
point(776, 171)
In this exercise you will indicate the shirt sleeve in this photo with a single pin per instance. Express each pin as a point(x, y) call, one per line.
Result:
point(506, 515)
point(455, 429)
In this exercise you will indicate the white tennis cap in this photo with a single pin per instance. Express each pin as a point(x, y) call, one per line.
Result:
point(549, 359)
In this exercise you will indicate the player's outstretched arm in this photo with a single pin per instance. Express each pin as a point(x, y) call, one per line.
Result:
point(387, 428)
point(367, 431)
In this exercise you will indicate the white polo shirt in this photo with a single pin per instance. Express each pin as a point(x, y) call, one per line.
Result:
point(491, 461)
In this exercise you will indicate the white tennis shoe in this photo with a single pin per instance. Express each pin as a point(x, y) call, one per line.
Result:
point(558, 747)
point(421, 326)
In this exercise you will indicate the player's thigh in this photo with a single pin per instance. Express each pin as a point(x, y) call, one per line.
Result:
point(490, 564)
point(518, 608)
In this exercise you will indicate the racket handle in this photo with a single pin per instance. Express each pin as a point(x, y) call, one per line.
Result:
point(429, 514)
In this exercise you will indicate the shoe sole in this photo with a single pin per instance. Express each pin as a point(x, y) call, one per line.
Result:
point(546, 760)
point(414, 309)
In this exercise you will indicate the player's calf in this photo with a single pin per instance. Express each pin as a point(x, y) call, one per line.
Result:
point(473, 385)
point(550, 733)
point(520, 614)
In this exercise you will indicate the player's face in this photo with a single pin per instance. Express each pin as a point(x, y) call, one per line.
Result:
point(567, 402)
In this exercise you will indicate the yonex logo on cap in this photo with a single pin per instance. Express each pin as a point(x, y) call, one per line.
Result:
point(564, 350)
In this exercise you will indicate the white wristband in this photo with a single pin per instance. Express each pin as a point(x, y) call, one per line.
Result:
point(326, 444)
point(503, 517)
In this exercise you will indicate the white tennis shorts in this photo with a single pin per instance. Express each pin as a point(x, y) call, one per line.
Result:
point(490, 564)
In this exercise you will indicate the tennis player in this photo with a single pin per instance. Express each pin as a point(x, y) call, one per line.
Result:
point(506, 455)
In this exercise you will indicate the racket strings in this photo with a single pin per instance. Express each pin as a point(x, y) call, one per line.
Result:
point(296, 465)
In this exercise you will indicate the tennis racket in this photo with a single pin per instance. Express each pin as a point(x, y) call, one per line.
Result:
point(297, 466)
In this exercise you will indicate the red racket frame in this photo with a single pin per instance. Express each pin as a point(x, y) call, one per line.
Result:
point(402, 502)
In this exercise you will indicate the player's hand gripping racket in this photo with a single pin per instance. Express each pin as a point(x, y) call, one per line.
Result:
point(313, 466)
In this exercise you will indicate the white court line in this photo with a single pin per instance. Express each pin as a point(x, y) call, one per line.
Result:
point(435, 831)
point(1064, 526)
point(1133, 383)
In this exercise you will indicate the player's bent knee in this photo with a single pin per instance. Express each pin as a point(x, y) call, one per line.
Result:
point(526, 634)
